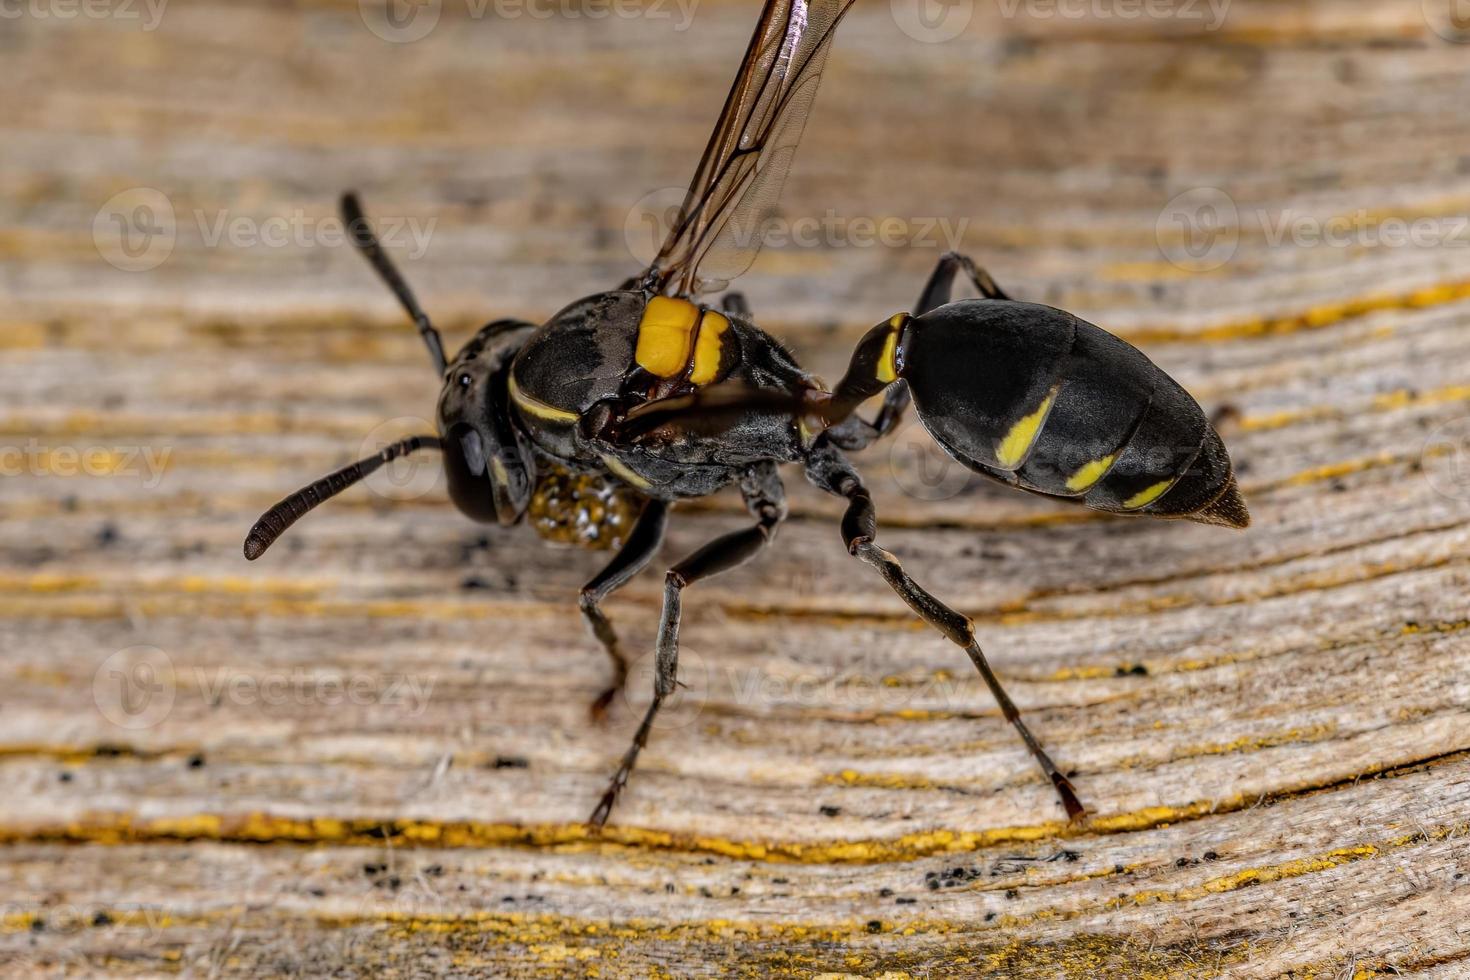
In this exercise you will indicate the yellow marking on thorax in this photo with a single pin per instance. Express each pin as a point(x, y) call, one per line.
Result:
point(1084, 478)
point(1148, 495)
point(1018, 442)
point(537, 407)
point(709, 347)
point(666, 336)
point(621, 470)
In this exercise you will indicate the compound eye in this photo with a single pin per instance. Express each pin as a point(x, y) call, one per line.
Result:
point(465, 467)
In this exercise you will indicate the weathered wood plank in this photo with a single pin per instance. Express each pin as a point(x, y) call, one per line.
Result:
point(375, 755)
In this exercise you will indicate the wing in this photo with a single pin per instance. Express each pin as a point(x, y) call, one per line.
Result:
point(719, 228)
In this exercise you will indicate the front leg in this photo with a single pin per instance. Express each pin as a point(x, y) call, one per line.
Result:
point(766, 500)
point(635, 554)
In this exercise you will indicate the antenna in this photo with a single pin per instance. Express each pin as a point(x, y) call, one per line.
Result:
point(274, 522)
point(367, 244)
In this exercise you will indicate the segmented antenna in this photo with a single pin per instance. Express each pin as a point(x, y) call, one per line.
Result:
point(367, 244)
point(273, 523)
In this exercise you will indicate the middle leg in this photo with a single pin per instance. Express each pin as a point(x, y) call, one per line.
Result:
point(766, 500)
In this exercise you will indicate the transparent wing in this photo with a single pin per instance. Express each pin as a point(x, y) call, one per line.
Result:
point(720, 226)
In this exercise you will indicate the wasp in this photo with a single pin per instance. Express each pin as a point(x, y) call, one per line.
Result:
point(593, 424)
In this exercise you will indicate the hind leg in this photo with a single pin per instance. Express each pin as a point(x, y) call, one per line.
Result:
point(830, 471)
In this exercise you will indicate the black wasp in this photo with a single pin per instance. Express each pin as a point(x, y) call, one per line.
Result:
point(592, 424)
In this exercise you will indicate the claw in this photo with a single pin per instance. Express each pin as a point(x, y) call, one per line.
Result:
point(598, 708)
point(1075, 810)
point(604, 806)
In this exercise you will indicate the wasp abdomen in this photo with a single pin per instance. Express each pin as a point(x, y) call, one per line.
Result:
point(1037, 398)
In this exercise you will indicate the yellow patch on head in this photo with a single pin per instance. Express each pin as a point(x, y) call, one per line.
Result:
point(1084, 478)
point(1148, 495)
point(537, 407)
point(665, 335)
point(1018, 442)
point(709, 347)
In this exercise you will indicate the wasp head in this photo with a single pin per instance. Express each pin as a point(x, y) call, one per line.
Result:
point(487, 460)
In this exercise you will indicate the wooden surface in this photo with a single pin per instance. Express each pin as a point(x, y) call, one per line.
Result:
point(368, 753)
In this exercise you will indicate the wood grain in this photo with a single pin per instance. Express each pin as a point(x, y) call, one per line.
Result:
point(368, 754)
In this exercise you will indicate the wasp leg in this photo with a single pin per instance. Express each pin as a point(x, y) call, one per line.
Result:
point(632, 558)
point(1224, 415)
point(830, 471)
point(766, 501)
point(856, 433)
point(937, 291)
point(735, 303)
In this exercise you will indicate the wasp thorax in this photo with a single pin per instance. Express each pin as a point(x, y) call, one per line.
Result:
point(583, 509)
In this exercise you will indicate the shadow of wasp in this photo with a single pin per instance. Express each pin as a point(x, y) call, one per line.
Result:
point(627, 401)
